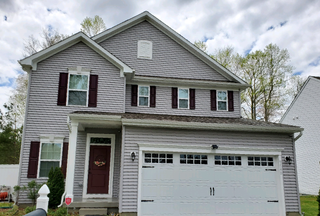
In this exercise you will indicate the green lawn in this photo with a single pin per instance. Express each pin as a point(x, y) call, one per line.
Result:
point(309, 205)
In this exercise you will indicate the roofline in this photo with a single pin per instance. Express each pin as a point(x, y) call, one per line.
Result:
point(30, 63)
point(298, 95)
point(181, 125)
point(162, 81)
point(173, 35)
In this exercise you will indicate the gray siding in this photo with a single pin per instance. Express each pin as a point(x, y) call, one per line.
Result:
point(169, 59)
point(305, 113)
point(203, 138)
point(164, 104)
point(80, 161)
point(45, 117)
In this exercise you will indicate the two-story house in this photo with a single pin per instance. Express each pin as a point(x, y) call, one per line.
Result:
point(143, 121)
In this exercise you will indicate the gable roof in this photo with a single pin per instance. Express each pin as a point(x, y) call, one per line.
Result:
point(30, 63)
point(298, 95)
point(146, 16)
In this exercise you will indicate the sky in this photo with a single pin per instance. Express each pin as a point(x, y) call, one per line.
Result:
point(246, 25)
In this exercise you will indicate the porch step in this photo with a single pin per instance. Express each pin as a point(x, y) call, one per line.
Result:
point(93, 211)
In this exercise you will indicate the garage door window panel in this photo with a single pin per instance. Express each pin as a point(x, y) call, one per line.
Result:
point(260, 161)
point(227, 160)
point(158, 158)
point(193, 159)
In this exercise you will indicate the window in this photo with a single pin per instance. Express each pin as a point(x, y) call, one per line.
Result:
point(78, 88)
point(222, 100)
point(193, 159)
point(183, 98)
point(144, 95)
point(50, 156)
point(260, 161)
point(158, 158)
point(227, 160)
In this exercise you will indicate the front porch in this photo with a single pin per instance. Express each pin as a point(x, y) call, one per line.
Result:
point(93, 169)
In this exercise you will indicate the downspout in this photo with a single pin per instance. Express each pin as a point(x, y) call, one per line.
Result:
point(300, 134)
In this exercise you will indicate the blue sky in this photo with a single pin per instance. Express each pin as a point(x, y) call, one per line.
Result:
point(247, 25)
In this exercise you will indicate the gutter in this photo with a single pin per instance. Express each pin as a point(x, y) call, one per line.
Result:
point(300, 134)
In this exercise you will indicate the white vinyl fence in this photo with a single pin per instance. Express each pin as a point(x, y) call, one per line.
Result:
point(9, 175)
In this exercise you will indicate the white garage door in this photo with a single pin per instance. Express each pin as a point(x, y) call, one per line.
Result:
point(207, 184)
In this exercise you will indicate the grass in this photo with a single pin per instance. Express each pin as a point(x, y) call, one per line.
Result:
point(309, 205)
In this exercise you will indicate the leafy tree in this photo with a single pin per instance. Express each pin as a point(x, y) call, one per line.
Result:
point(10, 136)
point(201, 45)
point(56, 186)
point(93, 26)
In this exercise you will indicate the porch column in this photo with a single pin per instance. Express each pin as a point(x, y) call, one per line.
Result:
point(71, 160)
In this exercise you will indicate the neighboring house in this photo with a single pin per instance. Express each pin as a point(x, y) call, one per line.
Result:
point(303, 112)
point(143, 121)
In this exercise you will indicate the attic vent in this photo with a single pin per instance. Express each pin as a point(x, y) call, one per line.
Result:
point(144, 49)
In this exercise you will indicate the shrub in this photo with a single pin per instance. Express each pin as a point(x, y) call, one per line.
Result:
point(30, 209)
point(56, 186)
point(61, 212)
point(33, 188)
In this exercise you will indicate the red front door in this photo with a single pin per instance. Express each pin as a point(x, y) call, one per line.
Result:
point(99, 167)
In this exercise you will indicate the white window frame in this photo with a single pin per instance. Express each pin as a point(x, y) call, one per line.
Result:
point(49, 139)
point(184, 98)
point(227, 107)
point(144, 55)
point(144, 95)
point(78, 73)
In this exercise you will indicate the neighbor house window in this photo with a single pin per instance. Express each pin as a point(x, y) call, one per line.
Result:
point(222, 100)
point(78, 88)
point(50, 157)
point(144, 95)
point(183, 98)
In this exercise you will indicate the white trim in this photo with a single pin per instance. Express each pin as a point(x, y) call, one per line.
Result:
point(276, 152)
point(78, 72)
point(144, 95)
point(188, 98)
point(174, 36)
point(87, 157)
point(54, 139)
point(31, 62)
point(203, 84)
point(121, 168)
point(227, 105)
point(206, 126)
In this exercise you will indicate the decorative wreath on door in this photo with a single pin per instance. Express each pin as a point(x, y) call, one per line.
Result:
point(99, 161)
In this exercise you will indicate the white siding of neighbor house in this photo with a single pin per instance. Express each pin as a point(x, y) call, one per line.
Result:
point(133, 136)
point(304, 112)
point(45, 117)
point(169, 59)
point(164, 104)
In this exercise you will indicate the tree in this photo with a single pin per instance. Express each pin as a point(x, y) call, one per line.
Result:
point(10, 137)
point(50, 37)
point(201, 45)
point(92, 26)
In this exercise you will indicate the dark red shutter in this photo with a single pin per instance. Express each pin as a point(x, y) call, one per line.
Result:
point(230, 101)
point(213, 99)
point(64, 158)
point(62, 92)
point(174, 98)
point(192, 96)
point(93, 91)
point(33, 159)
point(134, 95)
point(152, 96)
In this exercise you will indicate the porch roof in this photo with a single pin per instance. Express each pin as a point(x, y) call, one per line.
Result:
point(186, 122)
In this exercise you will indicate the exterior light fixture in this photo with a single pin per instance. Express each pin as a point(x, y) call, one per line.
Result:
point(215, 147)
point(133, 156)
point(288, 159)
